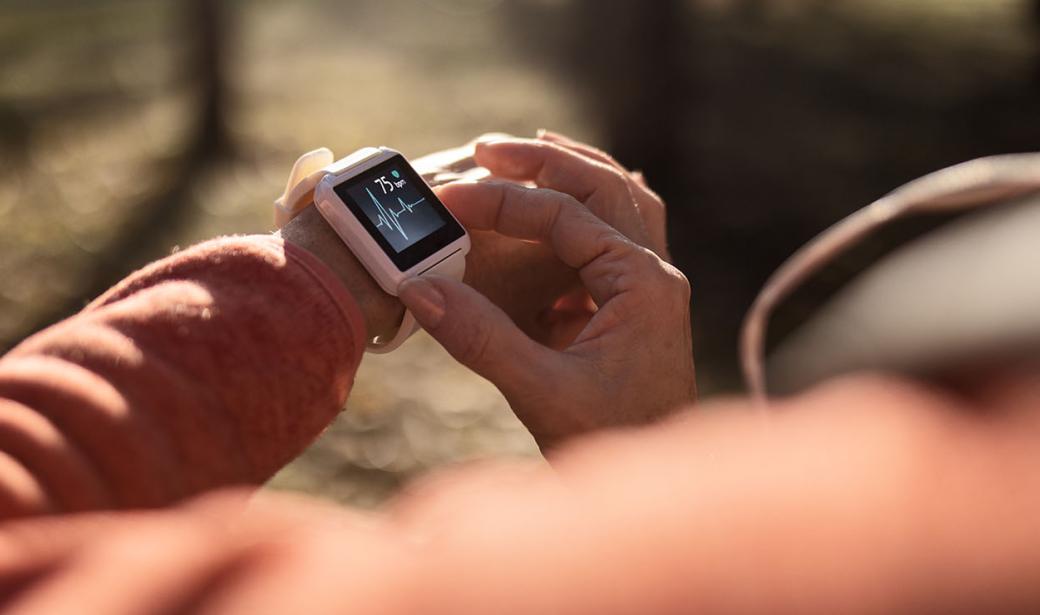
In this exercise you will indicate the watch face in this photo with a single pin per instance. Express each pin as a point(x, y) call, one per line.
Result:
point(400, 212)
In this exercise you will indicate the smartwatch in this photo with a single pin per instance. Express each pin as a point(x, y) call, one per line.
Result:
point(387, 216)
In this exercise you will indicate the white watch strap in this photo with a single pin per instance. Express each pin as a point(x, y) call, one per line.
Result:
point(299, 190)
point(308, 170)
point(454, 267)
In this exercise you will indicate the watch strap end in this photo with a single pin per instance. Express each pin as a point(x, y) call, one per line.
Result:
point(299, 189)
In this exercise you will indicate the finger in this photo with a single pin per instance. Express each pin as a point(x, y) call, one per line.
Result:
point(575, 301)
point(170, 558)
point(467, 206)
point(476, 332)
point(548, 165)
point(641, 190)
point(601, 184)
point(589, 151)
point(601, 187)
point(565, 320)
point(644, 191)
point(651, 206)
point(575, 234)
point(532, 214)
point(641, 179)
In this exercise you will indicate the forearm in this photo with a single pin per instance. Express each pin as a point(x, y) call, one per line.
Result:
point(213, 367)
point(866, 496)
point(309, 231)
point(870, 497)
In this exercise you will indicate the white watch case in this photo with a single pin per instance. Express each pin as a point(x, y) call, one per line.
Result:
point(345, 223)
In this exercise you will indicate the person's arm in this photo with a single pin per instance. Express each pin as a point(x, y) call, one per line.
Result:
point(626, 361)
point(212, 367)
point(866, 496)
point(382, 313)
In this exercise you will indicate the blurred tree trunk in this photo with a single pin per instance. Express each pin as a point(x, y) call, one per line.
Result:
point(206, 28)
point(1034, 19)
point(207, 25)
point(633, 55)
point(639, 62)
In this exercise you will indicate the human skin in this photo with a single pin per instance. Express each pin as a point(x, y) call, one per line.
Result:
point(632, 361)
point(644, 336)
point(543, 295)
point(535, 289)
point(616, 195)
point(867, 495)
point(308, 230)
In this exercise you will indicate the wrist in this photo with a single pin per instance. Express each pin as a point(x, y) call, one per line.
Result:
point(309, 231)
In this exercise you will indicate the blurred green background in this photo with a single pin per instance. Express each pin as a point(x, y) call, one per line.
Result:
point(128, 128)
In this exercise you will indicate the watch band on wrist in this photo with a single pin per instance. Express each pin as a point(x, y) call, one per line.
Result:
point(449, 267)
point(306, 174)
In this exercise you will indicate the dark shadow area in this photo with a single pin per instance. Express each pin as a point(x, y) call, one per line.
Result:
point(760, 132)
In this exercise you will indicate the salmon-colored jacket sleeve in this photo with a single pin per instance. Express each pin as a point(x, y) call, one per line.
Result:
point(212, 367)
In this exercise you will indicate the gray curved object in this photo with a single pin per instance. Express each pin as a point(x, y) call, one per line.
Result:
point(957, 295)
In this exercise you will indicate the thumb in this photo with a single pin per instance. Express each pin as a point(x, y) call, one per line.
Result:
point(474, 331)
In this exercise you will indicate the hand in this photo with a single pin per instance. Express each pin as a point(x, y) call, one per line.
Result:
point(592, 176)
point(541, 294)
point(632, 363)
point(538, 292)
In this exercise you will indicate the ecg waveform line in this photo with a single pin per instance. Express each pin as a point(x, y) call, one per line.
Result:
point(389, 217)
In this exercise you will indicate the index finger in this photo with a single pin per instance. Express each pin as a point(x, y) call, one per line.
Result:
point(587, 174)
point(574, 233)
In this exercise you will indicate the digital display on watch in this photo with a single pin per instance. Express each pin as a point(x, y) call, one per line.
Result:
point(400, 211)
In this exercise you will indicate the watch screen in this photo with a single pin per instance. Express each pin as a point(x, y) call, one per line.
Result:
point(400, 212)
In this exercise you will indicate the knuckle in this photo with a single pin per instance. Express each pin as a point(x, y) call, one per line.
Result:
point(653, 211)
point(614, 194)
point(667, 278)
point(474, 347)
point(564, 200)
point(551, 171)
point(612, 244)
point(649, 201)
point(600, 152)
point(647, 260)
point(616, 181)
point(558, 203)
point(566, 205)
point(527, 197)
point(639, 179)
point(682, 284)
point(656, 200)
point(676, 282)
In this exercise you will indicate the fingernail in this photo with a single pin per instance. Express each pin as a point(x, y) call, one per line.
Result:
point(508, 158)
point(465, 181)
point(540, 134)
point(548, 135)
point(493, 137)
point(485, 146)
point(423, 299)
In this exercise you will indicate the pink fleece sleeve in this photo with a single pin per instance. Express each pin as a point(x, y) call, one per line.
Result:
point(212, 367)
point(867, 496)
